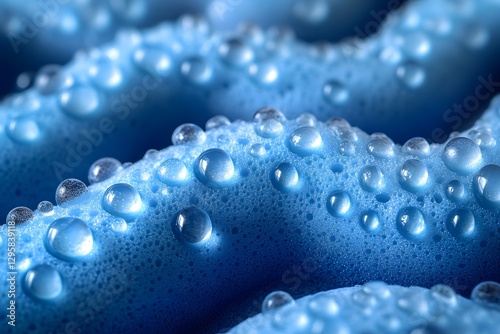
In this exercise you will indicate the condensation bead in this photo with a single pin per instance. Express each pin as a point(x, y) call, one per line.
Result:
point(486, 186)
point(151, 154)
point(339, 203)
point(46, 207)
point(369, 220)
point(196, 70)
point(413, 175)
point(268, 122)
point(289, 319)
point(214, 167)
point(444, 294)
point(80, 101)
point(43, 282)
point(411, 74)
point(236, 52)
point(305, 141)
point(23, 130)
point(193, 225)
point(306, 120)
point(410, 222)
point(103, 169)
point(69, 239)
point(323, 306)
point(258, 150)
point(347, 148)
point(51, 79)
point(462, 155)
point(335, 93)
point(19, 215)
point(172, 172)
point(455, 191)
point(268, 113)
point(264, 72)
point(122, 200)
point(285, 177)
point(153, 60)
point(487, 294)
point(188, 134)
point(372, 179)
point(105, 74)
point(69, 189)
point(217, 122)
point(381, 147)
point(417, 146)
point(275, 300)
point(461, 222)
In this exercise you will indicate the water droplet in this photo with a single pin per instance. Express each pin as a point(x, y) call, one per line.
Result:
point(122, 200)
point(372, 179)
point(172, 172)
point(69, 239)
point(411, 74)
point(188, 134)
point(217, 122)
point(23, 130)
point(105, 74)
point(268, 113)
point(483, 137)
point(335, 92)
point(275, 300)
point(413, 176)
point(455, 191)
point(196, 70)
point(214, 167)
point(339, 203)
point(415, 45)
point(461, 223)
point(151, 154)
point(140, 175)
point(194, 24)
point(285, 177)
point(486, 186)
point(264, 73)
point(268, 122)
point(193, 225)
point(305, 141)
point(444, 293)
point(117, 224)
point(410, 222)
point(69, 189)
point(80, 101)
point(417, 146)
point(19, 215)
point(103, 169)
point(236, 52)
point(46, 207)
point(52, 78)
point(462, 155)
point(306, 120)
point(43, 282)
point(487, 294)
point(323, 306)
point(153, 59)
point(347, 148)
point(258, 150)
point(381, 147)
point(311, 12)
point(370, 220)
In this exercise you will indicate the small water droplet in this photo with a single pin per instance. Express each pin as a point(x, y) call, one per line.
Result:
point(268, 122)
point(217, 122)
point(264, 72)
point(46, 207)
point(122, 200)
point(69, 239)
point(152, 59)
point(323, 306)
point(236, 52)
point(415, 45)
point(411, 74)
point(19, 215)
point(335, 92)
point(462, 155)
point(188, 134)
point(483, 137)
point(117, 224)
point(444, 293)
point(410, 222)
point(276, 300)
point(69, 189)
point(103, 169)
point(172, 172)
point(193, 225)
point(486, 186)
point(381, 147)
point(105, 74)
point(196, 70)
point(370, 220)
point(413, 175)
point(339, 203)
point(214, 167)
point(258, 150)
point(23, 130)
point(372, 179)
point(305, 141)
point(461, 222)
point(80, 101)
point(285, 177)
point(52, 78)
point(43, 282)
point(417, 146)
point(487, 294)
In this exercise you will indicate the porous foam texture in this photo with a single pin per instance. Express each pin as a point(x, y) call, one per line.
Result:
point(165, 244)
point(377, 308)
point(99, 104)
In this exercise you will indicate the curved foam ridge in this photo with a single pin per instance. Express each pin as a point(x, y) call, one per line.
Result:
point(234, 208)
point(379, 308)
point(98, 104)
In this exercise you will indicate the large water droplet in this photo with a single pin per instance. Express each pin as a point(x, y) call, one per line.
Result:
point(487, 294)
point(103, 169)
point(24, 130)
point(486, 186)
point(285, 177)
point(19, 215)
point(370, 220)
point(417, 146)
point(52, 78)
point(69, 239)
point(381, 147)
point(275, 300)
point(196, 70)
point(152, 60)
point(236, 52)
point(455, 191)
point(339, 203)
point(172, 172)
point(305, 141)
point(371, 178)
point(413, 176)
point(264, 72)
point(411, 74)
point(43, 282)
point(69, 189)
point(335, 92)
point(105, 74)
point(410, 222)
point(80, 101)
point(188, 134)
point(122, 200)
point(214, 167)
point(193, 225)
point(461, 222)
point(462, 155)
